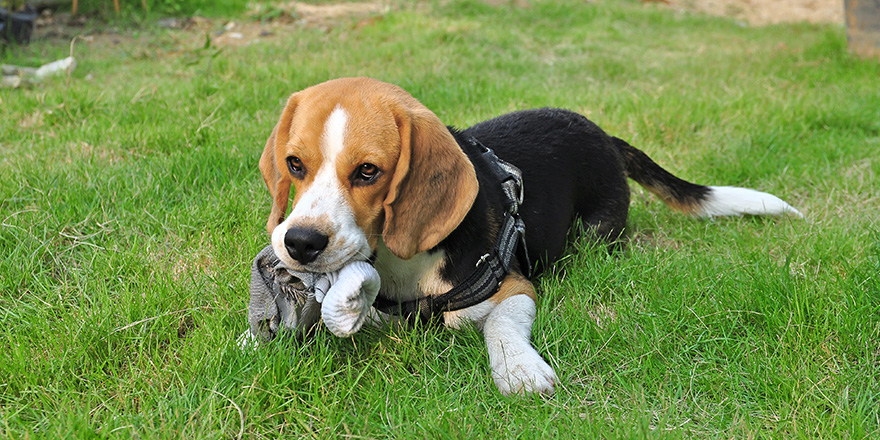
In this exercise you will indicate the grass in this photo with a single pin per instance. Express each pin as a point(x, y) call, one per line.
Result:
point(131, 207)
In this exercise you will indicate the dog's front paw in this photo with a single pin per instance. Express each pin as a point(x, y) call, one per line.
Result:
point(517, 368)
point(524, 373)
point(347, 303)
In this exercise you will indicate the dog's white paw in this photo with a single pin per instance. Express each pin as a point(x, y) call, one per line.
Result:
point(517, 368)
point(524, 373)
point(347, 302)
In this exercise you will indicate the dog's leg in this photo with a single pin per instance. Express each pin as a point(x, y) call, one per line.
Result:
point(517, 368)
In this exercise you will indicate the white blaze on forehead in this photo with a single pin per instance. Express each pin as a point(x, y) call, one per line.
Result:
point(323, 206)
point(332, 140)
point(326, 186)
point(324, 197)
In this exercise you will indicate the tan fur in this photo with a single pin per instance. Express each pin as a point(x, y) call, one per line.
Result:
point(389, 128)
point(514, 284)
point(418, 214)
point(683, 206)
point(277, 182)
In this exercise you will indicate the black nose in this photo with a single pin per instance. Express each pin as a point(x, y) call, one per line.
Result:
point(304, 244)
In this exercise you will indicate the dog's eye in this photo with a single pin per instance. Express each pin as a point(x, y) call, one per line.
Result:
point(365, 174)
point(295, 165)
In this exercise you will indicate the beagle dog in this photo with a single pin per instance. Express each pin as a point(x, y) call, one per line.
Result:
point(377, 177)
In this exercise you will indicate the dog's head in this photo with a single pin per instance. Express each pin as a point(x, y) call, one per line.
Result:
point(368, 163)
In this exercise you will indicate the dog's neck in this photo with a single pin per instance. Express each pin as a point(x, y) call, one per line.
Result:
point(454, 259)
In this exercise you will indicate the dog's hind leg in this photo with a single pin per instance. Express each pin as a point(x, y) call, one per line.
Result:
point(606, 224)
point(603, 211)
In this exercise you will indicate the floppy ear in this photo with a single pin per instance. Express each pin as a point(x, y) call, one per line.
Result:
point(433, 187)
point(276, 176)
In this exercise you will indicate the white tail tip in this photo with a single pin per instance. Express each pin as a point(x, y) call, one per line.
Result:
point(730, 200)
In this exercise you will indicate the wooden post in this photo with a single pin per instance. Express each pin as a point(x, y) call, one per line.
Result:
point(863, 26)
point(115, 6)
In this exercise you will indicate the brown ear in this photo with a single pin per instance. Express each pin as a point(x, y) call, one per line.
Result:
point(274, 174)
point(433, 187)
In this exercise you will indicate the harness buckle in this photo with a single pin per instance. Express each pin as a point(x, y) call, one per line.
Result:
point(513, 180)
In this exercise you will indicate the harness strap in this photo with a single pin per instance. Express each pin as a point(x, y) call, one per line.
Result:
point(491, 269)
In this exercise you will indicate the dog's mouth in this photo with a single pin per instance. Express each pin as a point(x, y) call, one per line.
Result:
point(321, 267)
point(333, 258)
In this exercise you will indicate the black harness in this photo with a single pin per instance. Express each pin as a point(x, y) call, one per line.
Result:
point(491, 268)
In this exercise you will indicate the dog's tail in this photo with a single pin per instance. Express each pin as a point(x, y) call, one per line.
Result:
point(699, 200)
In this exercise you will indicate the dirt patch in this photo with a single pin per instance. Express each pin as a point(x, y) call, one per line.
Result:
point(266, 20)
point(602, 315)
point(328, 14)
point(262, 21)
point(766, 12)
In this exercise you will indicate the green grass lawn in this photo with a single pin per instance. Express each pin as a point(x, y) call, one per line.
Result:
point(131, 207)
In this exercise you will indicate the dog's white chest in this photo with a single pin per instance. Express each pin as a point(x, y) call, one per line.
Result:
point(409, 279)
